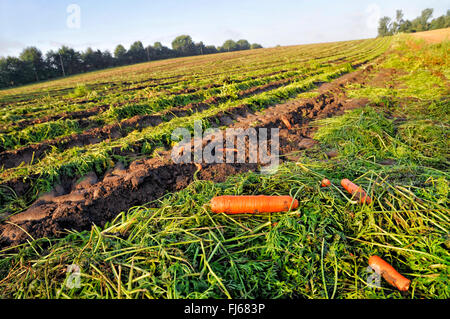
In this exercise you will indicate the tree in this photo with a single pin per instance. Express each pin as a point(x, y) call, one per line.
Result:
point(137, 52)
point(398, 21)
point(163, 51)
point(243, 45)
point(405, 26)
point(210, 49)
point(158, 46)
point(159, 51)
point(53, 64)
point(107, 59)
point(229, 45)
point(256, 46)
point(200, 48)
point(4, 75)
point(95, 60)
point(424, 17)
point(421, 22)
point(120, 53)
point(438, 23)
point(14, 71)
point(89, 60)
point(384, 27)
point(70, 60)
point(183, 45)
point(33, 57)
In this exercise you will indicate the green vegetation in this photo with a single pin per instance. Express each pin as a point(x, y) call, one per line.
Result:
point(181, 250)
point(38, 133)
point(79, 91)
point(396, 148)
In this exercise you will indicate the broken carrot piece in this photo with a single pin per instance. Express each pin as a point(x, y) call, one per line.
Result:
point(388, 272)
point(286, 122)
point(325, 182)
point(356, 190)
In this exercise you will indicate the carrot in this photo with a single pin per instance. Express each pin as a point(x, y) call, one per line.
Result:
point(388, 272)
point(356, 190)
point(325, 182)
point(286, 122)
point(199, 166)
point(252, 204)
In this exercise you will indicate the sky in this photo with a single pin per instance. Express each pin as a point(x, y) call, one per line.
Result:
point(103, 24)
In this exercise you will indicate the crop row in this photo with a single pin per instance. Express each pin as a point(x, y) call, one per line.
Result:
point(60, 128)
point(192, 78)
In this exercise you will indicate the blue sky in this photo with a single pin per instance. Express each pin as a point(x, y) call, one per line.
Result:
point(104, 24)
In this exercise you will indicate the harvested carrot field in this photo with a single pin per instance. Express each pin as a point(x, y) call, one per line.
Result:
point(88, 178)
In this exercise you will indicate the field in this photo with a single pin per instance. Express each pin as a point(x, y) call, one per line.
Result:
point(87, 177)
point(434, 36)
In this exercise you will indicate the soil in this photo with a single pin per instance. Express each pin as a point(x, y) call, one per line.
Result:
point(97, 199)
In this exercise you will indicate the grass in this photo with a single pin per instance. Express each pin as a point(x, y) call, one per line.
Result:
point(81, 90)
point(176, 247)
point(179, 249)
point(38, 133)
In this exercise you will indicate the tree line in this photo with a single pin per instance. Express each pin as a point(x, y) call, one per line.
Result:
point(32, 65)
point(390, 26)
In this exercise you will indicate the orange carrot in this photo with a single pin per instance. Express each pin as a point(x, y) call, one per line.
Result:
point(286, 122)
point(199, 166)
point(388, 272)
point(325, 182)
point(252, 204)
point(355, 190)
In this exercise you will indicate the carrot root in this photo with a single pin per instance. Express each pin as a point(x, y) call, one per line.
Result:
point(252, 204)
point(356, 191)
point(286, 122)
point(388, 272)
point(325, 182)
